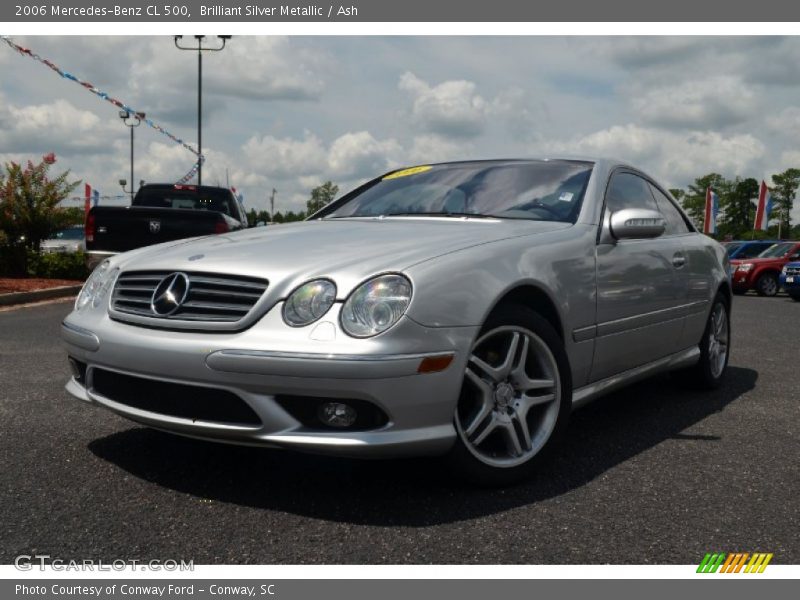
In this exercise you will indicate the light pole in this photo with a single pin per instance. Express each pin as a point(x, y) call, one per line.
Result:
point(131, 120)
point(199, 47)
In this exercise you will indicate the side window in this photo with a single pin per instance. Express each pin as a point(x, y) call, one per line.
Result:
point(675, 222)
point(753, 250)
point(627, 190)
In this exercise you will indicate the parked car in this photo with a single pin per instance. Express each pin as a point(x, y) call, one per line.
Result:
point(161, 213)
point(761, 273)
point(458, 309)
point(740, 249)
point(70, 240)
point(790, 280)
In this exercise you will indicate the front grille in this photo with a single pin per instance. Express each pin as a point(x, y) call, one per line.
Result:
point(793, 270)
point(174, 399)
point(211, 296)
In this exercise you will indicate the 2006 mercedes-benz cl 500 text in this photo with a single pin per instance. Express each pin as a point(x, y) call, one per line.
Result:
point(459, 309)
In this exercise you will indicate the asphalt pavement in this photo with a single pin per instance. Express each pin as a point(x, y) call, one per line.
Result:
point(656, 473)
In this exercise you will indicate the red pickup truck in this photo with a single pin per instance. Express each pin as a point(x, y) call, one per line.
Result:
point(761, 273)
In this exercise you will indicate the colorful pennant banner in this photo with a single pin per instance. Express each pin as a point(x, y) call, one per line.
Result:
point(52, 66)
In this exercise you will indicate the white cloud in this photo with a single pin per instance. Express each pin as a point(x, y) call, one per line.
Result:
point(55, 126)
point(715, 102)
point(431, 148)
point(255, 68)
point(285, 157)
point(358, 155)
point(786, 121)
point(451, 108)
point(675, 157)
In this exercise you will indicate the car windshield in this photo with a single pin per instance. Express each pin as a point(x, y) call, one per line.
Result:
point(777, 250)
point(73, 233)
point(534, 190)
point(186, 197)
point(732, 247)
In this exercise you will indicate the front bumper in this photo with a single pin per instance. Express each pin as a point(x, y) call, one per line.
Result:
point(257, 366)
point(742, 280)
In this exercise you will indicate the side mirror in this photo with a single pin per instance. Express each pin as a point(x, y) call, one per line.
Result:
point(637, 223)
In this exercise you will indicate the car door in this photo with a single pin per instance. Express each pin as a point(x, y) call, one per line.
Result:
point(641, 286)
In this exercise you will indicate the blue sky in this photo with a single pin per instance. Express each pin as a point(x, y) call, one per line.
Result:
point(291, 113)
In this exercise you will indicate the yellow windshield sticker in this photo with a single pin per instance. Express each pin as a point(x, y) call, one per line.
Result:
point(407, 172)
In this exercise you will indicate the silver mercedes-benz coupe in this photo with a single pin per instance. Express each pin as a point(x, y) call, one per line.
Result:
point(459, 309)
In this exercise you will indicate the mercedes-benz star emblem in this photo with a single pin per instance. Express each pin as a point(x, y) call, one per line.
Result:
point(155, 226)
point(170, 294)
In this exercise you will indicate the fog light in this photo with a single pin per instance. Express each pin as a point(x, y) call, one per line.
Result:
point(337, 414)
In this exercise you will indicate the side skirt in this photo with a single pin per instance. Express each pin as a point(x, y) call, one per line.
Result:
point(684, 358)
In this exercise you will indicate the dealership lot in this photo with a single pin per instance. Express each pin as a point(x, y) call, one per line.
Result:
point(652, 474)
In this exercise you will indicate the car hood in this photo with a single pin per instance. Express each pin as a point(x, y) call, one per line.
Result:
point(756, 261)
point(347, 250)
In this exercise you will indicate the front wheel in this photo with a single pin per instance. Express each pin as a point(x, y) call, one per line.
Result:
point(767, 284)
point(714, 347)
point(515, 398)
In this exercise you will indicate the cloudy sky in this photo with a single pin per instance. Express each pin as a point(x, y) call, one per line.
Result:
point(293, 112)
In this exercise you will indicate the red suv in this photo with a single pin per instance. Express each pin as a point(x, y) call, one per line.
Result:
point(761, 273)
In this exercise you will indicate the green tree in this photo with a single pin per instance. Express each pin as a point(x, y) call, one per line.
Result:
point(321, 196)
point(29, 208)
point(694, 200)
point(678, 194)
point(783, 194)
point(739, 207)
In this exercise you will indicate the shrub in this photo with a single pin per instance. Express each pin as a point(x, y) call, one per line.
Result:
point(58, 265)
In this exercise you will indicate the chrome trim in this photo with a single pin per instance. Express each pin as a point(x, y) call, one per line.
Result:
point(650, 318)
point(583, 334)
point(80, 337)
point(328, 356)
point(684, 358)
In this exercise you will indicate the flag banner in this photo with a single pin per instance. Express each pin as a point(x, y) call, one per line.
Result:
point(763, 208)
point(711, 212)
point(87, 204)
point(95, 197)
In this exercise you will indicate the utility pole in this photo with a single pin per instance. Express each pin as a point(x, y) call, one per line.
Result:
point(272, 205)
point(200, 49)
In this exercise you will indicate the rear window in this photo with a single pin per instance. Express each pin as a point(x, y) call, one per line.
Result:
point(204, 199)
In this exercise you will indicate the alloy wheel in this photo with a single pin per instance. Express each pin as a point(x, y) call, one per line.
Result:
point(718, 340)
point(511, 397)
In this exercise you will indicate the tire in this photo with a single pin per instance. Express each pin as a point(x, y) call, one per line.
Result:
point(709, 372)
point(515, 400)
point(795, 296)
point(767, 284)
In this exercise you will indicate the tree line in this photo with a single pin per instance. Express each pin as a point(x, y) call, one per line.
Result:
point(737, 204)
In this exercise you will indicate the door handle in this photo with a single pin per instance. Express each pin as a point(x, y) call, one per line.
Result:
point(678, 261)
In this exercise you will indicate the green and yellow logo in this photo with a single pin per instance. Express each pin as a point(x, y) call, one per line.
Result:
point(734, 562)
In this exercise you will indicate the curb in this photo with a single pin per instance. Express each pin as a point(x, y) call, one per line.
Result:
point(36, 295)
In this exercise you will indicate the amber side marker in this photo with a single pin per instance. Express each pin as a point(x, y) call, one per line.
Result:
point(434, 364)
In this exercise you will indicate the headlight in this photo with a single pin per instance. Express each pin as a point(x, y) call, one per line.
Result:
point(376, 305)
point(784, 270)
point(309, 302)
point(96, 287)
point(745, 266)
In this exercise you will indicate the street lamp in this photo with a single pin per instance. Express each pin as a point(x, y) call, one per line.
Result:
point(124, 182)
point(131, 120)
point(199, 47)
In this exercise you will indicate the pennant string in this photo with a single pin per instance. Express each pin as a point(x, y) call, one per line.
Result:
point(104, 96)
